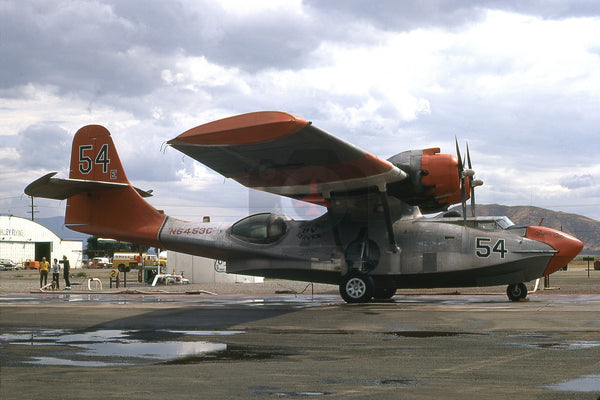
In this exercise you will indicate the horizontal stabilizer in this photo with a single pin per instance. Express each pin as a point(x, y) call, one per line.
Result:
point(60, 189)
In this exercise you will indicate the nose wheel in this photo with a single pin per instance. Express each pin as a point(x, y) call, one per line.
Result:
point(516, 291)
point(357, 287)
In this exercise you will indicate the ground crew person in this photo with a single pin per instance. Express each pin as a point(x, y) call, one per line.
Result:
point(56, 272)
point(66, 272)
point(44, 267)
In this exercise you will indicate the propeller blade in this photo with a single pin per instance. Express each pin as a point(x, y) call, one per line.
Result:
point(464, 202)
point(460, 162)
point(473, 183)
point(472, 201)
point(469, 157)
point(462, 177)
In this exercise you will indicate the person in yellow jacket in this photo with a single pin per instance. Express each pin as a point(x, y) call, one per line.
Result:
point(44, 268)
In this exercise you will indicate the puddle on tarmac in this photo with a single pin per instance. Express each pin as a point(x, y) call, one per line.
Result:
point(431, 334)
point(568, 345)
point(376, 382)
point(230, 353)
point(587, 383)
point(276, 393)
point(123, 347)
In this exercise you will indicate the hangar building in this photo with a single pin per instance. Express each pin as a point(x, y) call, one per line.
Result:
point(22, 239)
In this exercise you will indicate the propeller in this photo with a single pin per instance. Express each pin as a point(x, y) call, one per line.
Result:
point(466, 180)
point(461, 176)
point(473, 183)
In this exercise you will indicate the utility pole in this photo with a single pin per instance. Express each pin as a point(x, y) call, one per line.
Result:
point(33, 211)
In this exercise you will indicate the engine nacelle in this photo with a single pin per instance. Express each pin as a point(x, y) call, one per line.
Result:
point(433, 181)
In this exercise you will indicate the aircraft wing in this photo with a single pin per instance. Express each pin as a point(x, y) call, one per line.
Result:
point(284, 154)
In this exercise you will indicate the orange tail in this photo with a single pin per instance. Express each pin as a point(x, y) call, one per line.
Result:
point(109, 206)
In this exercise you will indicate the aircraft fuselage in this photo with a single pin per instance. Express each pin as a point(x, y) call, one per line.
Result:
point(431, 252)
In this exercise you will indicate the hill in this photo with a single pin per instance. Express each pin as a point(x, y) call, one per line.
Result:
point(585, 229)
point(57, 225)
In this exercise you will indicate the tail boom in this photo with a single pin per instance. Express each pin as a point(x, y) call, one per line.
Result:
point(119, 213)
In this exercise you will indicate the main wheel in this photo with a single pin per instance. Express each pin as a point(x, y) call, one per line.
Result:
point(384, 293)
point(516, 291)
point(356, 287)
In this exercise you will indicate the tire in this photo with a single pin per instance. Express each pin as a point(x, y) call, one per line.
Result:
point(516, 291)
point(357, 287)
point(384, 293)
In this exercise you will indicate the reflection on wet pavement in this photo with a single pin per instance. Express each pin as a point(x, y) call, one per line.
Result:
point(567, 345)
point(116, 347)
point(588, 383)
point(431, 334)
point(231, 353)
point(291, 301)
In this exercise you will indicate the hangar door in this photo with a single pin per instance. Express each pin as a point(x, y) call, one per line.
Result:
point(43, 249)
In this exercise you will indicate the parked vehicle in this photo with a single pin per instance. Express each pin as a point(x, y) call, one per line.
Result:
point(6, 264)
point(101, 262)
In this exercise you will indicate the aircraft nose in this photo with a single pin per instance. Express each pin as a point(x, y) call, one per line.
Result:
point(566, 246)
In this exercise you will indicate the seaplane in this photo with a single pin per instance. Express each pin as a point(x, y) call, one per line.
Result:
point(371, 239)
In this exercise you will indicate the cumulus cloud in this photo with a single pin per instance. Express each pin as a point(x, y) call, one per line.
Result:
point(43, 146)
point(578, 181)
point(409, 15)
point(518, 80)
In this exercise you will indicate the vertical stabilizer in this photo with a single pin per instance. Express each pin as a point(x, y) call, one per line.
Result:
point(94, 157)
point(120, 213)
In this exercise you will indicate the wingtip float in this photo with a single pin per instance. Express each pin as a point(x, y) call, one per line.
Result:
point(371, 241)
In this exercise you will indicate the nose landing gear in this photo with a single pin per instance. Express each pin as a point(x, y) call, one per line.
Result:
point(516, 291)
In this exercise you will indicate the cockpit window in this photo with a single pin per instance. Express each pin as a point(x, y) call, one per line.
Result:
point(496, 224)
point(487, 225)
point(259, 228)
point(504, 223)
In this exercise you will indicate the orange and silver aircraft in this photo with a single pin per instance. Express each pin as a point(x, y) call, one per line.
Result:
point(373, 238)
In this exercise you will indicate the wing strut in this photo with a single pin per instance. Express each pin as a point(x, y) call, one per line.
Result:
point(388, 221)
point(334, 226)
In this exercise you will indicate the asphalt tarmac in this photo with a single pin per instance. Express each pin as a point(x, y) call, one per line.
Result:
point(419, 345)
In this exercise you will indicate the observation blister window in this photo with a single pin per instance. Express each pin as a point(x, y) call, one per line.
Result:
point(260, 228)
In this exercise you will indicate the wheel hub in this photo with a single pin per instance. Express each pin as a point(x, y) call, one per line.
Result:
point(356, 288)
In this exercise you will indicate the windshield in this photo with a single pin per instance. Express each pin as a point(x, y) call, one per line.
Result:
point(504, 222)
point(495, 224)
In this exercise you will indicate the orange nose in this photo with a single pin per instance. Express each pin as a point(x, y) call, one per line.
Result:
point(566, 246)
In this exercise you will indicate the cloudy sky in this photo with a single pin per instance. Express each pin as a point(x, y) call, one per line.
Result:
point(520, 81)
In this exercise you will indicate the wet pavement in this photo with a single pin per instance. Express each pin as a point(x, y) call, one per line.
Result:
point(99, 346)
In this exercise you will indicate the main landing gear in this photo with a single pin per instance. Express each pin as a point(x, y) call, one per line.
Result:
point(358, 287)
point(516, 291)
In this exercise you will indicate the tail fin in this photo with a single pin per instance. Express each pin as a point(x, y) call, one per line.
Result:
point(100, 199)
point(94, 157)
